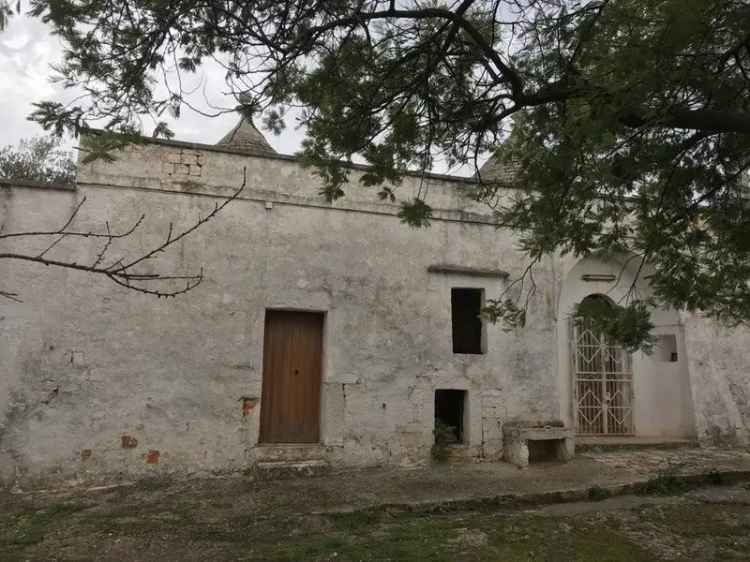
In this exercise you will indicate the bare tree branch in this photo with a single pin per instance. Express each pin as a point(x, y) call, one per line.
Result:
point(120, 272)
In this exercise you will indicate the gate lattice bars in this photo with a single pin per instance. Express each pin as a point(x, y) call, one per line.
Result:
point(603, 382)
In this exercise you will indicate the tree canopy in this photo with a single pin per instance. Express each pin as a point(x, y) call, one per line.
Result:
point(38, 159)
point(626, 123)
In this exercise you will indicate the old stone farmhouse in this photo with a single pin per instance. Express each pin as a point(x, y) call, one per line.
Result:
point(330, 334)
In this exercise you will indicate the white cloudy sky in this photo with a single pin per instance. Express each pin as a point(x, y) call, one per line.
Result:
point(27, 51)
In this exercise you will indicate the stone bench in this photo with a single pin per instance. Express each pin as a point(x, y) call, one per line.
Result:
point(552, 436)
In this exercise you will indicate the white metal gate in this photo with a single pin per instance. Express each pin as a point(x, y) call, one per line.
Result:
point(603, 383)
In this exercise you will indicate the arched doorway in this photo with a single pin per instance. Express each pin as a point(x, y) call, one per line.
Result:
point(602, 376)
point(641, 395)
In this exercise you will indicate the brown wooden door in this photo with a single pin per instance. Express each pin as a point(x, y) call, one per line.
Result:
point(292, 353)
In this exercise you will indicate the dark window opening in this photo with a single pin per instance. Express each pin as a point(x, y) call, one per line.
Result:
point(543, 450)
point(666, 348)
point(449, 416)
point(466, 306)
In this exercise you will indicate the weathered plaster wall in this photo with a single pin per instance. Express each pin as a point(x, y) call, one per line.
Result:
point(719, 359)
point(98, 381)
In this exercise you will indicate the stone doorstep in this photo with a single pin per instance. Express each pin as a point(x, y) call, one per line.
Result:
point(460, 452)
point(291, 452)
point(534, 499)
point(602, 444)
point(277, 470)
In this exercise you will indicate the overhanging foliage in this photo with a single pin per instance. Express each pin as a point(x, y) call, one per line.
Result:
point(627, 122)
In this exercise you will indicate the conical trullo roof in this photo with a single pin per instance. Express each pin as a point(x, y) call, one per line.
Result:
point(495, 171)
point(246, 137)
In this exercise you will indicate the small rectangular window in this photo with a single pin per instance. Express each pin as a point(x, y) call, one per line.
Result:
point(466, 306)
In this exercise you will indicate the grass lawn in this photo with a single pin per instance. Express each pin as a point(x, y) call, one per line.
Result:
point(137, 524)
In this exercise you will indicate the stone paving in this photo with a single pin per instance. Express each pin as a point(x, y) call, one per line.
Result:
point(462, 484)
point(674, 461)
point(442, 485)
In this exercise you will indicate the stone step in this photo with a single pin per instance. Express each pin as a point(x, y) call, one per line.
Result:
point(277, 470)
point(290, 452)
point(584, 444)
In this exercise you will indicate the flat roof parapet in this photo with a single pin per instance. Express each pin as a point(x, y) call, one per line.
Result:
point(6, 182)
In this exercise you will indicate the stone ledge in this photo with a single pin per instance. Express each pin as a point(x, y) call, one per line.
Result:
point(539, 434)
point(641, 486)
point(451, 269)
point(193, 189)
point(603, 444)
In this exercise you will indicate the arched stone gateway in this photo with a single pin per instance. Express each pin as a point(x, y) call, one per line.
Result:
point(606, 391)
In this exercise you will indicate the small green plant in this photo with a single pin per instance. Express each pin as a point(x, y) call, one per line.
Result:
point(597, 493)
point(444, 435)
point(31, 529)
point(716, 478)
point(665, 484)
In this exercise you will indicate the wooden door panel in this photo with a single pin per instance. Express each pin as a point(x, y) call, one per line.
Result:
point(290, 405)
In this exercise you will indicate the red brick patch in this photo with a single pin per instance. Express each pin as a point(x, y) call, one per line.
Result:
point(152, 457)
point(248, 404)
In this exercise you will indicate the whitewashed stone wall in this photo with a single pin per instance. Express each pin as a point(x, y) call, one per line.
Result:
point(97, 381)
point(719, 359)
